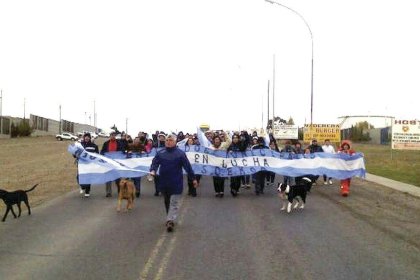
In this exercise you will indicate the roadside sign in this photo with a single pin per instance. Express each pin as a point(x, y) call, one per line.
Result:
point(285, 131)
point(321, 132)
point(406, 135)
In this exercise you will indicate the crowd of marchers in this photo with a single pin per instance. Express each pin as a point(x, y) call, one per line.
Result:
point(218, 140)
point(170, 161)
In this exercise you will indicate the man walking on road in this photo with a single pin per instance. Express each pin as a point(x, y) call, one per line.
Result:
point(170, 162)
point(328, 148)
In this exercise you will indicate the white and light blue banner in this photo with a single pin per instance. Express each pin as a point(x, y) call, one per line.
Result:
point(98, 169)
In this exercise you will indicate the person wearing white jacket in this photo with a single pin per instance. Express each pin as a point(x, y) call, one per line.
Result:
point(328, 148)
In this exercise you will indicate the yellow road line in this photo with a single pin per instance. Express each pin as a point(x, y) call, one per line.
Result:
point(151, 260)
point(164, 263)
point(156, 250)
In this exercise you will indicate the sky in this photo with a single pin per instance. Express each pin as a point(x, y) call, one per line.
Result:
point(173, 65)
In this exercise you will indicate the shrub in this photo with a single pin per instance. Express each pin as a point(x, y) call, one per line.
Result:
point(22, 129)
point(14, 131)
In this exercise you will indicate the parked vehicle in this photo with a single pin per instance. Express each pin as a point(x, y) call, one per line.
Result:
point(66, 136)
point(93, 135)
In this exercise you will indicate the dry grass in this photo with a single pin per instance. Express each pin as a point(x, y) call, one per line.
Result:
point(44, 160)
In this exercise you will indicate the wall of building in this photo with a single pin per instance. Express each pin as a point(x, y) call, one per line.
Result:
point(43, 126)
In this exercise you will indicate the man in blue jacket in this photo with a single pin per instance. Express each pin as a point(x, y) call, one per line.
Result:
point(170, 162)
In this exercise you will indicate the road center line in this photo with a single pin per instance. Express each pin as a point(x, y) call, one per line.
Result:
point(150, 261)
point(156, 250)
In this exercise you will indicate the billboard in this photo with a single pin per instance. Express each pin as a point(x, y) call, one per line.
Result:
point(285, 131)
point(406, 135)
point(321, 132)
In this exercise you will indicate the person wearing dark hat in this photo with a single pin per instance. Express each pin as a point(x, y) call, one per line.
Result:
point(254, 141)
point(112, 145)
point(136, 147)
point(290, 150)
point(91, 147)
point(246, 138)
point(236, 146)
point(315, 148)
point(161, 140)
point(259, 177)
point(170, 161)
point(180, 136)
point(161, 137)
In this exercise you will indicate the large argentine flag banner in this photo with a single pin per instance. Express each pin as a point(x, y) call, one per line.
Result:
point(98, 169)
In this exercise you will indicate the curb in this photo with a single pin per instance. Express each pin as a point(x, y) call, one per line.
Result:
point(399, 186)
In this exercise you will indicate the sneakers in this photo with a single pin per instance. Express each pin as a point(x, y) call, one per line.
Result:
point(137, 194)
point(330, 182)
point(82, 191)
point(87, 195)
point(170, 226)
point(325, 183)
point(108, 195)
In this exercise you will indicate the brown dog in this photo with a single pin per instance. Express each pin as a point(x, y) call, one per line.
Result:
point(127, 191)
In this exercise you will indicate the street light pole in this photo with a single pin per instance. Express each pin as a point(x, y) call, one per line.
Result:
point(312, 50)
point(1, 103)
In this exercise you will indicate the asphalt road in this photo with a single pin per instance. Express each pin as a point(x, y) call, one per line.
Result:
point(372, 234)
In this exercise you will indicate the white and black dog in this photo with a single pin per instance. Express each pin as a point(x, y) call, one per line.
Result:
point(291, 193)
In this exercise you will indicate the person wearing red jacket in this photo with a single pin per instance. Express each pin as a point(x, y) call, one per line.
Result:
point(112, 145)
point(345, 184)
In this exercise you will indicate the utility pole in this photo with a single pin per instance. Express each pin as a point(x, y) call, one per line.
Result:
point(1, 111)
point(1, 103)
point(24, 108)
point(268, 102)
point(59, 124)
point(274, 80)
point(312, 51)
point(94, 115)
point(262, 111)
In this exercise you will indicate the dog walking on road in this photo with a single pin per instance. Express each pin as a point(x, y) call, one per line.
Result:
point(16, 197)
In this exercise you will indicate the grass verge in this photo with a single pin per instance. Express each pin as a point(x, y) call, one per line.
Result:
point(399, 165)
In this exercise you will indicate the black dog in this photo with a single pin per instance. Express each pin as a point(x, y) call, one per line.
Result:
point(15, 197)
point(293, 192)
